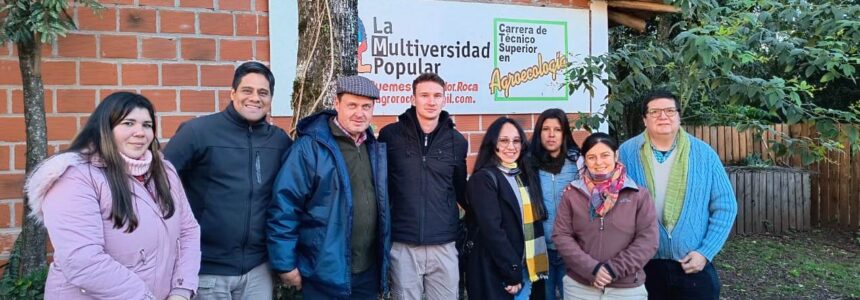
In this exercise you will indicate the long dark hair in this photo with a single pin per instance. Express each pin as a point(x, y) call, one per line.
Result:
point(487, 158)
point(96, 139)
point(567, 144)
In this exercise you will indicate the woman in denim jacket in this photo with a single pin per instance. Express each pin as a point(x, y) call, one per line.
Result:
point(557, 157)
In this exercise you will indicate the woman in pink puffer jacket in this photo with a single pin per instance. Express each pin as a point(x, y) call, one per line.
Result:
point(116, 212)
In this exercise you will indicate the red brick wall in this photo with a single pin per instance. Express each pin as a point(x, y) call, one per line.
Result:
point(178, 53)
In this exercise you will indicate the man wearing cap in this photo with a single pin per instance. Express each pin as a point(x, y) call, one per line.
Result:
point(328, 226)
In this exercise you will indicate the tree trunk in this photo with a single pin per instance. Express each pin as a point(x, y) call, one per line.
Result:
point(28, 254)
point(327, 48)
point(664, 28)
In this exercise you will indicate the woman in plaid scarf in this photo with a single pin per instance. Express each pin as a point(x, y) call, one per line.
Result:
point(504, 218)
point(606, 228)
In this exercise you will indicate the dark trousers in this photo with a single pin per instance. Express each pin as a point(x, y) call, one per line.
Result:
point(667, 280)
point(364, 285)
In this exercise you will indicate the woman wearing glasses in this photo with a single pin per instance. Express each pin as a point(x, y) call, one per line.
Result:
point(606, 228)
point(504, 218)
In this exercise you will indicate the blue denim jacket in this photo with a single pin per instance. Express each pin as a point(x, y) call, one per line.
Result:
point(552, 186)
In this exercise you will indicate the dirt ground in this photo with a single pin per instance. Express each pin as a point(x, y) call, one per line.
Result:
point(819, 264)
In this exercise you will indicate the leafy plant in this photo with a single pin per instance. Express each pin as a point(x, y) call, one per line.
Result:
point(30, 24)
point(283, 292)
point(755, 160)
point(749, 63)
point(30, 287)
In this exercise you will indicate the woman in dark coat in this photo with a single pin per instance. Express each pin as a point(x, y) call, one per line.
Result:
point(504, 218)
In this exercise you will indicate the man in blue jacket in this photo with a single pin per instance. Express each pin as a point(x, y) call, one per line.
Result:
point(328, 228)
point(694, 200)
point(228, 162)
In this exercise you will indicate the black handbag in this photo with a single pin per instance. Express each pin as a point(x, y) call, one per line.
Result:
point(466, 237)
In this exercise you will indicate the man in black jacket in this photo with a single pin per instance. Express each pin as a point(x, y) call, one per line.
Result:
point(228, 162)
point(427, 169)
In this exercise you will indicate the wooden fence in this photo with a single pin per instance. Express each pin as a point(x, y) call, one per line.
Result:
point(771, 199)
point(835, 200)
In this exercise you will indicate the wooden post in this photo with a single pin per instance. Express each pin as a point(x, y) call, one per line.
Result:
point(814, 191)
point(855, 197)
point(742, 143)
point(733, 179)
point(712, 134)
point(736, 147)
point(779, 192)
point(844, 181)
point(795, 132)
point(770, 201)
point(806, 212)
point(646, 6)
point(627, 20)
point(796, 202)
point(832, 195)
point(762, 204)
point(748, 203)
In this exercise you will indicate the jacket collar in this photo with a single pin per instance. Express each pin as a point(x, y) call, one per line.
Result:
point(410, 117)
point(316, 126)
point(235, 118)
point(579, 184)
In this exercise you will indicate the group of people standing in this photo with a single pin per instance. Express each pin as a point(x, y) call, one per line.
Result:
point(233, 204)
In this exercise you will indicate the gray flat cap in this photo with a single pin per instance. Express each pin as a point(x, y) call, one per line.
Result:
point(357, 85)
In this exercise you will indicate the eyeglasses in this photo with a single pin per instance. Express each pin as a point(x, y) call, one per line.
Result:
point(655, 112)
point(513, 142)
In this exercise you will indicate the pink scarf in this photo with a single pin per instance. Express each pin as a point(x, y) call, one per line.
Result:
point(604, 189)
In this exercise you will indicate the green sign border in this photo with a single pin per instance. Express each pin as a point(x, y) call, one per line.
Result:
point(496, 22)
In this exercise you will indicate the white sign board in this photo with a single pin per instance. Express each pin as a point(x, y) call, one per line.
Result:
point(495, 58)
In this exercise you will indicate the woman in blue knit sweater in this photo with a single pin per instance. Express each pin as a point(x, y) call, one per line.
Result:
point(695, 202)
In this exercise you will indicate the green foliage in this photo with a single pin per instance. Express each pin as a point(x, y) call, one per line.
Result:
point(755, 160)
point(44, 20)
point(743, 63)
point(29, 24)
point(30, 287)
point(283, 292)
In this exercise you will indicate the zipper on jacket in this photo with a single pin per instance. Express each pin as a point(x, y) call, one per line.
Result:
point(258, 171)
point(380, 216)
point(554, 199)
point(422, 180)
point(248, 202)
point(347, 255)
point(601, 223)
point(423, 208)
